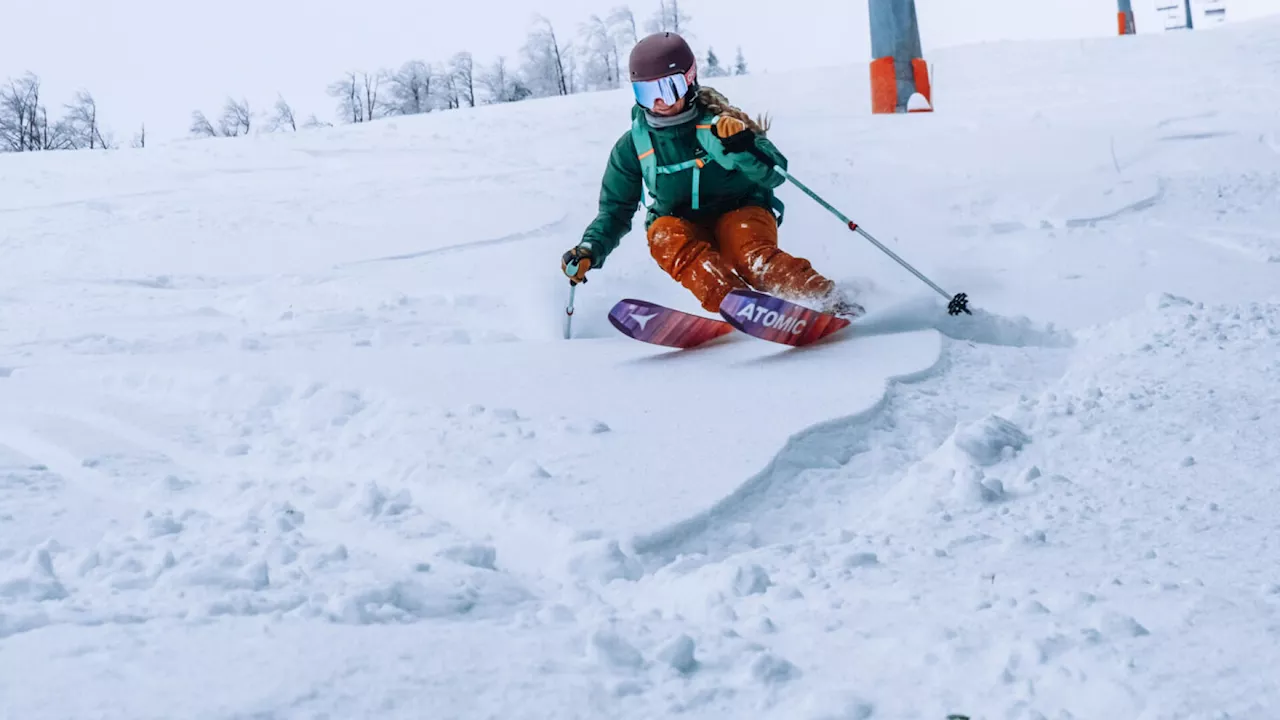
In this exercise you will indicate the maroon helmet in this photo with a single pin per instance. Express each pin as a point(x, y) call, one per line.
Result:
point(661, 55)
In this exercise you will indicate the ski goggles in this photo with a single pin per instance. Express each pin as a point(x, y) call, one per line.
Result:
point(669, 89)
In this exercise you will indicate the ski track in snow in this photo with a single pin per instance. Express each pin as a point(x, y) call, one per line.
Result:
point(245, 445)
point(549, 228)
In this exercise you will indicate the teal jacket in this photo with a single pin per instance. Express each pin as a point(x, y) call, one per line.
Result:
point(726, 181)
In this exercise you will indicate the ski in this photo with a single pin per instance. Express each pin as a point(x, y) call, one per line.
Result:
point(771, 318)
point(653, 323)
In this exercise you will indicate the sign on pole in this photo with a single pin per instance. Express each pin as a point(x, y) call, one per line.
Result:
point(1175, 13)
point(1214, 11)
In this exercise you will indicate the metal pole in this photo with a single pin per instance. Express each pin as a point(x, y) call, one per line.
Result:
point(895, 41)
point(957, 303)
point(1127, 26)
point(568, 313)
point(571, 269)
point(1190, 23)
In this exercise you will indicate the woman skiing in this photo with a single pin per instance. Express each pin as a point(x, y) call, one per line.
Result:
point(711, 222)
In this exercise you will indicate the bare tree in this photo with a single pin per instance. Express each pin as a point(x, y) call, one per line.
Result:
point(347, 92)
point(200, 125)
point(16, 111)
point(25, 124)
point(51, 136)
point(411, 88)
point(464, 71)
point(23, 121)
point(543, 61)
point(371, 85)
point(282, 117)
point(82, 122)
point(236, 119)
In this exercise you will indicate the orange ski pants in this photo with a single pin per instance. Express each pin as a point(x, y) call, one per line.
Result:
point(736, 251)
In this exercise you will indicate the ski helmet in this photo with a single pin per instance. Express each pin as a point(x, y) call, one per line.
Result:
point(660, 55)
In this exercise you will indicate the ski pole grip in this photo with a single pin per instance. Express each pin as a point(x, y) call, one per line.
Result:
point(759, 155)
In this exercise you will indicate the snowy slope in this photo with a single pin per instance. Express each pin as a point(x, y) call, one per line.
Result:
point(287, 428)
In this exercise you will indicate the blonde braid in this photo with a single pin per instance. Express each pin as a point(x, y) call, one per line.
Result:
point(718, 104)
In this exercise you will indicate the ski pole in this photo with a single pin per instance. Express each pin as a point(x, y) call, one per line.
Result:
point(570, 270)
point(956, 303)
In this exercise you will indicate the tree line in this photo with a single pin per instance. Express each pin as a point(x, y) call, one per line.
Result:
point(549, 64)
point(25, 125)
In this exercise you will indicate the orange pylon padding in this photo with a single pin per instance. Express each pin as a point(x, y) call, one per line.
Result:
point(884, 86)
point(1126, 23)
point(920, 69)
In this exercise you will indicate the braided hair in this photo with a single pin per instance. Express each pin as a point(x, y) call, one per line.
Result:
point(718, 104)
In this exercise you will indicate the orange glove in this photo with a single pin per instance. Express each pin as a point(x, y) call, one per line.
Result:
point(580, 255)
point(734, 134)
point(727, 126)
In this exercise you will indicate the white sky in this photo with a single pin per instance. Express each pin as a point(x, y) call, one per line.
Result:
point(158, 60)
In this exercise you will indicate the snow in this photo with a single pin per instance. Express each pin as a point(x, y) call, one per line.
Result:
point(292, 417)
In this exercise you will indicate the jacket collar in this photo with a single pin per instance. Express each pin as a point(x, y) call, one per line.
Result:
point(658, 122)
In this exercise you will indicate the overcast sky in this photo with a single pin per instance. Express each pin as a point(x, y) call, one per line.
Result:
point(158, 60)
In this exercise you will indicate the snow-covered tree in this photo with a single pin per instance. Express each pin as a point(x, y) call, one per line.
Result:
point(712, 68)
point(373, 106)
point(602, 66)
point(669, 17)
point(348, 92)
point(462, 68)
point(622, 24)
point(237, 119)
point(740, 64)
point(200, 125)
point(315, 122)
point(543, 65)
point(17, 107)
point(359, 98)
point(411, 89)
point(449, 89)
point(502, 85)
point(282, 117)
point(82, 123)
point(572, 73)
point(24, 120)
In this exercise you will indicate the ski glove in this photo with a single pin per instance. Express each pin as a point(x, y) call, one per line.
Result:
point(581, 257)
point(734, 134)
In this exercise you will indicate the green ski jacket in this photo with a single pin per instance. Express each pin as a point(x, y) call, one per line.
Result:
point(695, 180)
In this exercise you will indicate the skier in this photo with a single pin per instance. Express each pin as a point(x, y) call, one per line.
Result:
point(711, 222)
